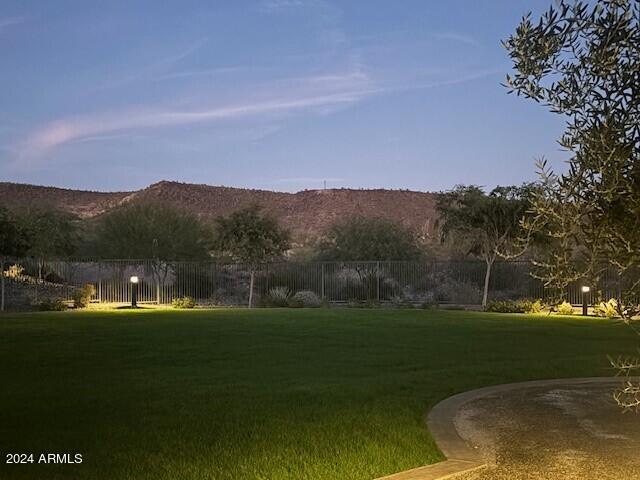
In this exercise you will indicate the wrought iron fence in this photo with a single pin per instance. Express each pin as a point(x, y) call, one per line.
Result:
point(446, 282)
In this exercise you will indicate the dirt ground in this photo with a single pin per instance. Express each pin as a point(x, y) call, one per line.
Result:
point(553, 433)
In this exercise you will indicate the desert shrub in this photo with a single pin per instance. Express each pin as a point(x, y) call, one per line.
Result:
point(52, 305)
point(564, 308)
point(429, 305)
point(401, 302)
point(607, 309)
point(455, 291)
point(305, 299)
point(514, 306)
point(277, 297)
point(14, 272)
point(82, 296)
point(355, 303)
point(183, 302)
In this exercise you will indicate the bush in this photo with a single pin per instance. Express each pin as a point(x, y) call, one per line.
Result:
point(305, 299)
point(401, 302)
point(183, 302)
point(607, 309)
point(429, 305)
point(565, 308)
point(278, 297)
point(82, 296)
point(363, 304)
point(515, 306)
point(52, 305)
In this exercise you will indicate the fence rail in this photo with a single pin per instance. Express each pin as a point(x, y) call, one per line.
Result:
point(446, 282)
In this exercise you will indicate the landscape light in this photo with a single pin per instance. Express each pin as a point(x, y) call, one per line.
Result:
point(134, 291)
point(585, 290)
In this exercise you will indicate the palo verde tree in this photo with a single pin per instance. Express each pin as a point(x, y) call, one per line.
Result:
point(368, 238)
point(484, 225)
point(251, 238)
point(582, 61)
point(51, 233)
point(13, 243)
point(156, 231)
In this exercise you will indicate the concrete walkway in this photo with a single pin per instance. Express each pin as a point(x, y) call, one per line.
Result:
point(552, 429)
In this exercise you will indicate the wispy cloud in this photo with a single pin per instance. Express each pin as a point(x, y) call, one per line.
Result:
point(154, 68)
point(79, 128)
point(210, 72)
point(457, 37)
point(10, 21)
point(319, 94)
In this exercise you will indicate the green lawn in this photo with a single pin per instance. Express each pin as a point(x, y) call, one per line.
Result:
point(263, 394)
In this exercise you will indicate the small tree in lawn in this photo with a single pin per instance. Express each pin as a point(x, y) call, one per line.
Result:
point(582, 61)
point(251, 238)
point(484, 225)
point(13, 243)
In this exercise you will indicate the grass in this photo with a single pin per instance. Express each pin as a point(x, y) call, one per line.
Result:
point(263, 394)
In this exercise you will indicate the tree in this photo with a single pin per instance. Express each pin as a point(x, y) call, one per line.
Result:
point(582, 61)
point(151, 230)
point(484, 225)
point(52, 234)
point(13, 243)
point(156, 231)
point(249, 237)
point(367, 239)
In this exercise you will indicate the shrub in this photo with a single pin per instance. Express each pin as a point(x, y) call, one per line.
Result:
point(305, 299)
point(514, 306)
point(429, 305)
point(82, 296)
point(607, 309)
point(14, 272)
point(52, 305)
point(363, 304)
point(565, 308)
point(278, 297)
point(183, 302)
point(401, 302)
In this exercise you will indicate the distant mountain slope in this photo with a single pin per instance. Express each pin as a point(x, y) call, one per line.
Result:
point(307, 213)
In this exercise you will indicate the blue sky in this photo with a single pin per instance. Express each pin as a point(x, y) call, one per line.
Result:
point(273, 94)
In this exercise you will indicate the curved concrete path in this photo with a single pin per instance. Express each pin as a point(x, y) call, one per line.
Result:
point(478, 431)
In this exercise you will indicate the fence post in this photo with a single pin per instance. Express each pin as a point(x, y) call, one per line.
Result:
point(322, 280)
point(378, 281)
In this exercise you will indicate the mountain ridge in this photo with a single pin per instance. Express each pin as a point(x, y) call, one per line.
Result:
point(306, 213)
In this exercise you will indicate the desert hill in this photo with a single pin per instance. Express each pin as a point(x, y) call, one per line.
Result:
point(306, 213)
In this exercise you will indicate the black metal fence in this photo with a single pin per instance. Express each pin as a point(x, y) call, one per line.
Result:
point(445, 282)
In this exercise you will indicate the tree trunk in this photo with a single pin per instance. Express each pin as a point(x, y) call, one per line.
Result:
point(251, 289)
point(487, 277)
point(2, 284)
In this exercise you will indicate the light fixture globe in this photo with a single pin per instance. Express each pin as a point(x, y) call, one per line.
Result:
point(134, 279)
point(586, 289)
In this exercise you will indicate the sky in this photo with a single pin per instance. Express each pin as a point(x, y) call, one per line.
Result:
point(272, 94)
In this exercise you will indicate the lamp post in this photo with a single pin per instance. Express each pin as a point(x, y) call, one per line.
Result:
point(585, 292)
point(134, 291)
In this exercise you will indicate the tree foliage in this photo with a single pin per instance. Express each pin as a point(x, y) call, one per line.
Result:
point(250, 237)
point(51, 233)
point(13, 243)
point(367, 239)
point(13, 240)
point(484, 225)
point(151, 230)
point(582, 60)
